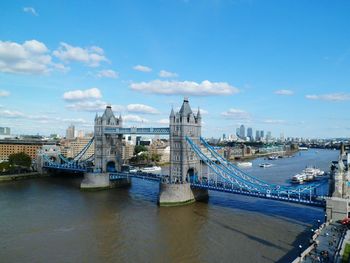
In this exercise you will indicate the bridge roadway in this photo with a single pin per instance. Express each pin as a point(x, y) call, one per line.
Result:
point(221, 186)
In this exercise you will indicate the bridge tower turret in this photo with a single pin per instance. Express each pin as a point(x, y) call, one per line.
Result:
point(184, 163)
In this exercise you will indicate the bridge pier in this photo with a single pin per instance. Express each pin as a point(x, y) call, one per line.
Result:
point(180, 194)
point(100, 181)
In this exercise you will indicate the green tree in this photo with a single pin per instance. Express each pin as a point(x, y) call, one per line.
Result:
point(20, 159)
point(4, 166)
point(140, 148)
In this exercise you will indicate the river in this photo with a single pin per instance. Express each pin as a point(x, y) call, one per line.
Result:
point(51, 220)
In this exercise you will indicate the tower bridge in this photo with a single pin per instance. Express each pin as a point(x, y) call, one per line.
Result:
point(188, 152)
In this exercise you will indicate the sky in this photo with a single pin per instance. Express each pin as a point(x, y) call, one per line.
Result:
point(279, 66)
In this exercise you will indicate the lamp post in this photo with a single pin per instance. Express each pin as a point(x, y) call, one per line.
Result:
point(325, 217)
point(318, 223)
point(300, 250)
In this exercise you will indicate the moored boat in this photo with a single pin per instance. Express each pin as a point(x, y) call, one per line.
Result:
point(265, 165)
point(151, 169)
point(244, 164)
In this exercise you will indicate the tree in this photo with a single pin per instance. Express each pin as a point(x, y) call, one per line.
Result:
point(140, 148)
point(20, 159)
point(4, 166)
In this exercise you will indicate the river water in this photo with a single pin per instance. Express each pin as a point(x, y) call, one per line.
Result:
point(51, 220)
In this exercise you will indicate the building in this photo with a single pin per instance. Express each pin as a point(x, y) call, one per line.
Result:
point(5, 131)
point(30, 147)
point(81, 134)
point(257, 135)
point(268, 136)
point(242, 132)
point(71, 148)
point(262, 135)
point(250, 134)
point(127, 150)
point(70, 132)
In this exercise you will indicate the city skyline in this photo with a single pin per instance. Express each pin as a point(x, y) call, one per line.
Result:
point(285, 74)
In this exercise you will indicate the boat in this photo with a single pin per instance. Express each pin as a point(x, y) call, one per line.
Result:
point(244, 164)
point(273, 157)
point(303, 148)
point(265, 165)
point(308, 174)
point(299, 178)
point(314, 171)
point(151, 169)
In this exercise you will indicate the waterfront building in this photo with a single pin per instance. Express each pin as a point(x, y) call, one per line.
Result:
point(28, 146)
point(70, 148)
point(127, 150)
point(70, 132)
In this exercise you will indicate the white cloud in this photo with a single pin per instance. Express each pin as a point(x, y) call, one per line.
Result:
point(30, 10)
point(285, 92)
point(4, 93)
point(236, 114)
point(167, 74)
point(134, 118)
point(75, 121)
point(30, 57)
point(142, 68)
point(330, 97)
point(11, 114)
point(141, 108)
point(163, 121)
point(93, 93)
point(270, 121)
point(204, 88)
point(108, 73)
point(92, 106)
point(202, 111)
point(91, 56)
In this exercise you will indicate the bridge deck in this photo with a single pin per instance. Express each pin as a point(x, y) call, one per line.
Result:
point(229, 188)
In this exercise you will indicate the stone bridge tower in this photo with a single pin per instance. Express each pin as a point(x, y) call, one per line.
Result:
point(108, 147)
point(184, 163)
point(108, 153)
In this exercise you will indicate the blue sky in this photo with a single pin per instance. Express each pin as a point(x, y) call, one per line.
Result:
point(282, 66)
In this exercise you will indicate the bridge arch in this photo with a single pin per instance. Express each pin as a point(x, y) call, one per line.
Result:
point(110, 166)
point(192, 174)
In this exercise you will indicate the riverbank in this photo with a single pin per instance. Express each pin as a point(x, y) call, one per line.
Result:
point(22, 176)
point(259, 155)
point(326, 244)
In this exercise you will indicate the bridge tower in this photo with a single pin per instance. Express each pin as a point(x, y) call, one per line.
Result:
point(108, 152)
point(184, 163)
point(108, 147)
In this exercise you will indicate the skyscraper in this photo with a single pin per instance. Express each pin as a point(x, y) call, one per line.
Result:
point(250, 133)
point(242, 132)
point(268, 136)
point(262, 135)
point(70, 132)
point(257, 135)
